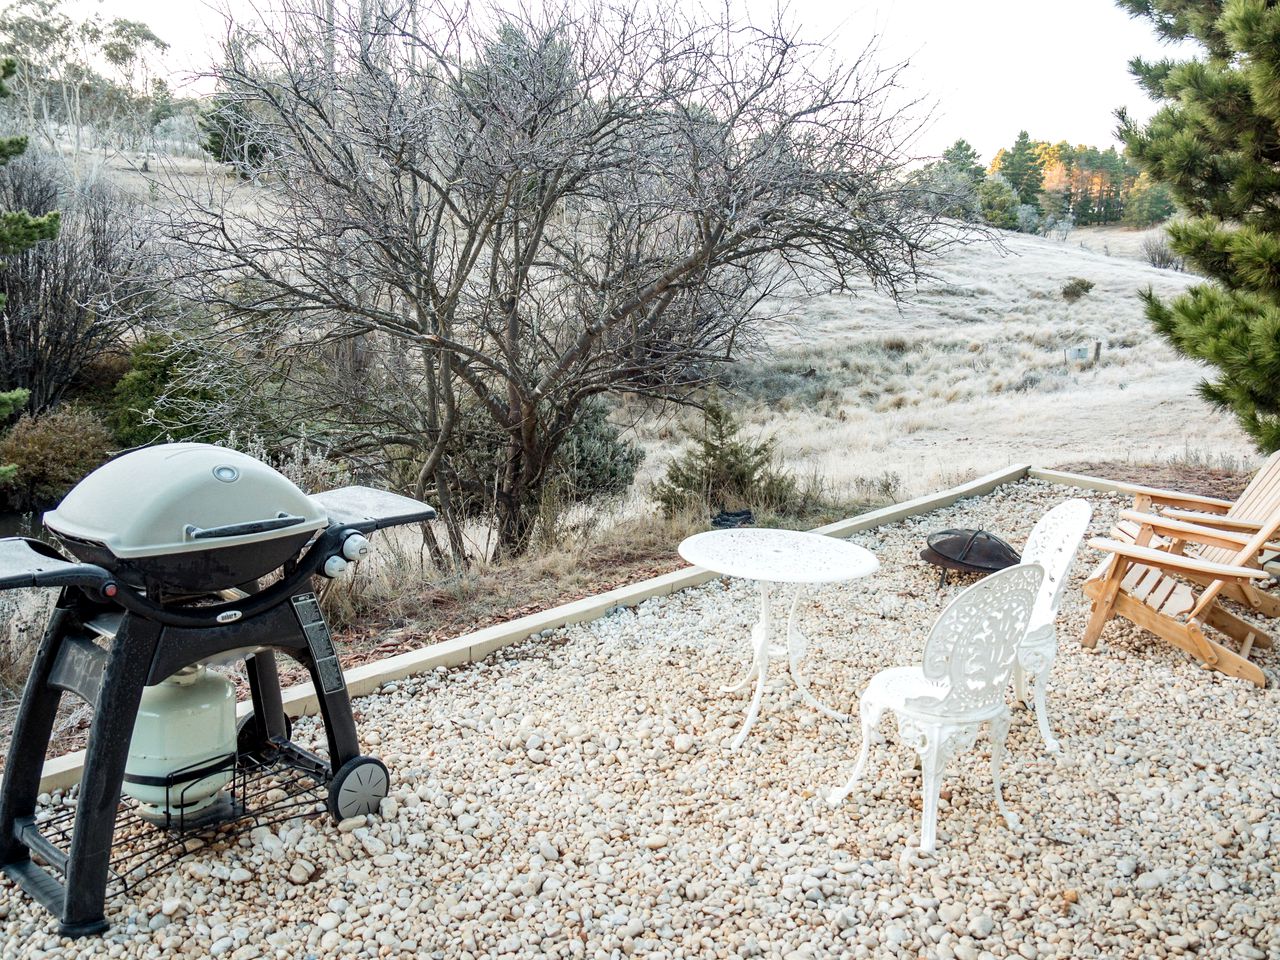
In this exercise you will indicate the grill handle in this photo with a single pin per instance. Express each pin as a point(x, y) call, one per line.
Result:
point(242, 529)
point(328, 544)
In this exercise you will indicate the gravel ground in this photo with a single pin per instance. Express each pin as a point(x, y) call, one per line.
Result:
point(575, 797)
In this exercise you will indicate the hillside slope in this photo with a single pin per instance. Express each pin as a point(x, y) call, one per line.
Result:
point(971, 373)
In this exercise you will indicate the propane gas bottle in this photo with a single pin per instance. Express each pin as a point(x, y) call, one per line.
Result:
point(185, 722)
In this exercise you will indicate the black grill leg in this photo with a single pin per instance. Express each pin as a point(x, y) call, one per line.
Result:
point(335, 709)
point(313, 646)
point(268, 709)
point(31, 732)
point(128, 665)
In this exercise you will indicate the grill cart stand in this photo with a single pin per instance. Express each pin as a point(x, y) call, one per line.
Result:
point(106, 641)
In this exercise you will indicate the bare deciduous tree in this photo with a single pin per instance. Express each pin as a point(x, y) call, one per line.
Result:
point(471, 224)
point(68, 300)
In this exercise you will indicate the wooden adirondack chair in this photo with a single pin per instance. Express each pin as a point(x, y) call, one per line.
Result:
point(1148, 586)
point(1246, 514)
point(1237, 521)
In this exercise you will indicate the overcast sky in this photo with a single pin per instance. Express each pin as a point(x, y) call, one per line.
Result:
point(992, 66)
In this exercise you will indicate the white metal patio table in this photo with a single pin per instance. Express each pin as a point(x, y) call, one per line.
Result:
point(772, 557)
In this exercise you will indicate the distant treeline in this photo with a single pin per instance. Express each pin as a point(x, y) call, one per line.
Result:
point(1041, 187)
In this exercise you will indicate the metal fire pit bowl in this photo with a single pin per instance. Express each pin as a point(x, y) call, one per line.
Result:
point(968, 551)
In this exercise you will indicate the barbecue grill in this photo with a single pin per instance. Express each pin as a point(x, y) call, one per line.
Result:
point(188, 554)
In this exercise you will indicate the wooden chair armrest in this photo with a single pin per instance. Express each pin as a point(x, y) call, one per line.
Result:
point(1172, 498)
point(1169, 498)
point(1176, 562)
point(1190, 532)
point(1214, 520)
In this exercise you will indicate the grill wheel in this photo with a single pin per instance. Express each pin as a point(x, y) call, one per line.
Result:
point(358, 788)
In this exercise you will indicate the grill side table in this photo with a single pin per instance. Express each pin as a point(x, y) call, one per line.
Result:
point(774, 557)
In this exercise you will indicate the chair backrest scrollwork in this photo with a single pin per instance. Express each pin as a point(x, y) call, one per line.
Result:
point(973, 643)
point(1053, 543)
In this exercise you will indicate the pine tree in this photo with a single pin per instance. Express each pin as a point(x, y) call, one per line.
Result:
point(1215, 143)
point(723, 468)
point(19, 230)
point(998, 202)
point(962, 158)
point(230, 137)
point(11, 401)
point(1021, 166)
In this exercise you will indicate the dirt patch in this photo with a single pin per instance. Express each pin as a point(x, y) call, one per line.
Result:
point(1182, 477)
point(451, 617)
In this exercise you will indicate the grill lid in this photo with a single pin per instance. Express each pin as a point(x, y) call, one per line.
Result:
point(181, 498)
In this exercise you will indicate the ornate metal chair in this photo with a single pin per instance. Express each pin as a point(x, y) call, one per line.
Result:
point(1053, 543)
point(941, 705)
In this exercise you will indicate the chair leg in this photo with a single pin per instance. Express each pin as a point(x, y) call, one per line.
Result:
point(1103, 591)
point(932, 761)
point(1042, 713)
point(1036, 661)
point(1019, 684)
point(870, 715)
point(999, 733)
point(1098, 618)
point(1256, 599)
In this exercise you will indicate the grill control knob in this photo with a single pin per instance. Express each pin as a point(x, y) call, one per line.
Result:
point(355, 547)
point(334, 567)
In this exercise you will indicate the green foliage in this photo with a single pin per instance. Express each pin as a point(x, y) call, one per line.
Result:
point(964, 160)
point(723, 469)
point(19, 230)
point(998, 203)
point(124, 42)
point(155, 367)
point(1075, 288)
point(950, 185)
point(1057, 186)
point(10, 403)
point(1089, 184)
point(1023, 168)
point(231, 137)
point(1213, 143)
point(1148, 203)
point(51, 452)
point(593, 460)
